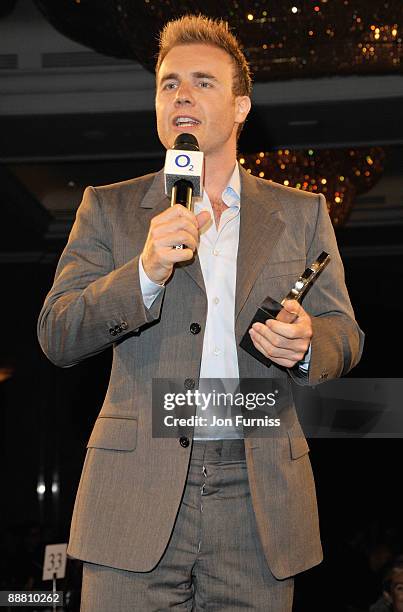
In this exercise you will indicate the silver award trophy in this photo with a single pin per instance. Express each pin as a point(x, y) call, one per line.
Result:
point(271, 309)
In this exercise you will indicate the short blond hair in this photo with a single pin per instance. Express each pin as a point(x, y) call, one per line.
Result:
point(199, 29)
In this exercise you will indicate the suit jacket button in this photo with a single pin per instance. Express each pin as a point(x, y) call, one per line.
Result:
point(183, 441)
point(189, 383)
point(112, 331)
point(195, 328)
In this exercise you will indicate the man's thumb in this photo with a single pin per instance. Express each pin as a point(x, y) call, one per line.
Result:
point(203, 218)
point(293, 307)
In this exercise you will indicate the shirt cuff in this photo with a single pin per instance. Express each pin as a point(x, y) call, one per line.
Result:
point(304, 363)
point(149, 289)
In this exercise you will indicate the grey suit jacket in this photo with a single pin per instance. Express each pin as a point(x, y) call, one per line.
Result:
point(132, 483)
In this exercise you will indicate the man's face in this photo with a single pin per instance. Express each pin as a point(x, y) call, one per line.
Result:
point(194, 95)
point(396, 592)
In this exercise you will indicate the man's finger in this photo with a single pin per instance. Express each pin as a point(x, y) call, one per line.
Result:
point(281, 356)
point(274, 343)
point(174, 226)
point(291, 331)
point(175, 212)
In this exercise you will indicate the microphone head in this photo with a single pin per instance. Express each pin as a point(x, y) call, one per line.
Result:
point(186, 142)
point(184, 162)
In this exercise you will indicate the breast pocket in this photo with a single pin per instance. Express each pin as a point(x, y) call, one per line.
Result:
point(277, 269)
point(277, 279)
point(114, 433)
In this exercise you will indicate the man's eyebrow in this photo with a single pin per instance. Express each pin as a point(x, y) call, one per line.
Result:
point(174, 76)
point(204, 75)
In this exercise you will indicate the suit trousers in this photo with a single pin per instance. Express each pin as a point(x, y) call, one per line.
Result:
point(213, 560)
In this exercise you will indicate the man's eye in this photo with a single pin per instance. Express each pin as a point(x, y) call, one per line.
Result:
point(169, 85)
point(205, 84)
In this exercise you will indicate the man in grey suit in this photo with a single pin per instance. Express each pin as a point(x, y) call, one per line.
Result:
point(215, 520)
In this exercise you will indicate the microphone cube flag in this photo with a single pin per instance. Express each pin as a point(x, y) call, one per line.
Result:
point(184, 165)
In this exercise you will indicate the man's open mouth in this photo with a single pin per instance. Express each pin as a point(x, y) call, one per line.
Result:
point(186, 121)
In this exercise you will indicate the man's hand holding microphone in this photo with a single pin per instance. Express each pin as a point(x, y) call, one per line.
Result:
point(174, 234)
point(175, 226)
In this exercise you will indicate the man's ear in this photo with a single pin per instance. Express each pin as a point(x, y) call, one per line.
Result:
point(242, 108)
point(387, 597)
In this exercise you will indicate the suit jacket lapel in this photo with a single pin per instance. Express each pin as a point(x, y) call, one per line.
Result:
point(261, 227)
point(156, 202)
point(154, 199)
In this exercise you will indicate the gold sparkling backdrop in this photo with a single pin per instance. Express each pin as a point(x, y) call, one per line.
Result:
point(288, 39)
point(340, 174)
point(323, 37)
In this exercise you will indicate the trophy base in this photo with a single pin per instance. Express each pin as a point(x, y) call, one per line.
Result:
point(269, 309)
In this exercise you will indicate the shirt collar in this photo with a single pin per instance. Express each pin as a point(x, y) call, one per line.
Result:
point(231, 196)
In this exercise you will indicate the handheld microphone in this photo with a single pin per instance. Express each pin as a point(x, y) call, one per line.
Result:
point(183, 171)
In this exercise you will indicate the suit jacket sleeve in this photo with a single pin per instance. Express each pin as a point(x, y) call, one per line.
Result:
point(91, 303)
point(337, 340)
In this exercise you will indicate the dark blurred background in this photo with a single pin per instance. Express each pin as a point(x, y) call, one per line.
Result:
point(76, 109)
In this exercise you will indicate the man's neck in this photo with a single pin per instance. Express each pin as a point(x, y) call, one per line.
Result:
point(218, 171)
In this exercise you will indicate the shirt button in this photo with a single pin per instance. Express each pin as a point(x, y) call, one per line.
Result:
point(216, 351)
point(195, 328)
point(216, 300)
point(216, 252)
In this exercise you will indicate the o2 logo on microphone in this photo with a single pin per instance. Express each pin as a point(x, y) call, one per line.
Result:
point(183, 161)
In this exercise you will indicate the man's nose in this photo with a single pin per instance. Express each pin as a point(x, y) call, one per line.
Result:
point(183, 95)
